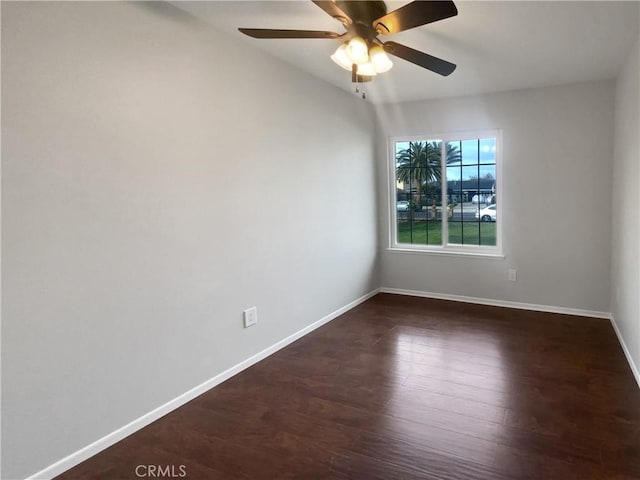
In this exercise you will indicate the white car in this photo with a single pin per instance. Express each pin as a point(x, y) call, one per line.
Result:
point(487, 214)
point(402, 206)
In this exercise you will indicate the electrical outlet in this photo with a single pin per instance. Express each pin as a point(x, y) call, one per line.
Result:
point(250, 317)
point(512, 274)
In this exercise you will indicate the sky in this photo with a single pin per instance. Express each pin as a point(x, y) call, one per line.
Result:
point(473, 152)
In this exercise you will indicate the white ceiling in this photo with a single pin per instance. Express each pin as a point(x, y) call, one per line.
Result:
point(497, 45)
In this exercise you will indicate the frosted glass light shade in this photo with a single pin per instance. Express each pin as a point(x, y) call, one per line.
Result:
point(379, 59)
point(341, 57)
point(366, 69)
point(358, 50)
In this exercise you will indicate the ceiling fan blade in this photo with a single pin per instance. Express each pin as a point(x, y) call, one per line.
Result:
point(421, 59)
point(413, 15)
point(330, 7)
point(270, 33)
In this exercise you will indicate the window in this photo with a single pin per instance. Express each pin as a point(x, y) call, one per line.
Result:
point(445, 192)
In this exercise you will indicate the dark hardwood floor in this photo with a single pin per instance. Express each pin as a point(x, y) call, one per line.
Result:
point(409, 388)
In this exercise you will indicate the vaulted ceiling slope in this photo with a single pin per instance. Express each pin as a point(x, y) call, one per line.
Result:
point(497, 46)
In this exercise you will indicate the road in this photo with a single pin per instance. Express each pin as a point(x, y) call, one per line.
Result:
point(462, 212)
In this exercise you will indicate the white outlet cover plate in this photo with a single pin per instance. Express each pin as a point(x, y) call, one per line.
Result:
point(250, 316)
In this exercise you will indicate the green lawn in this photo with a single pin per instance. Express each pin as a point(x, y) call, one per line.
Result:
point(430, 232)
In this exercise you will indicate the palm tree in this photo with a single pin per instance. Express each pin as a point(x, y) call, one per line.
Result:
point(421, 163)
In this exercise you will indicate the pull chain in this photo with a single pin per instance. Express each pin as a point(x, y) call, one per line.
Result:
point(354, 78)
point(363, 94)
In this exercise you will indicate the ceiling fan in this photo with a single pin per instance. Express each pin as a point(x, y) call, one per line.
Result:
point(361, 52)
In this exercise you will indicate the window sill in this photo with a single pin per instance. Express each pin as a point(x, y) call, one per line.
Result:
point(487, 255)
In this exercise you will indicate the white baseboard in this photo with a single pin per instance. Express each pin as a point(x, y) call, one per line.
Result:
point(84, 453)
point(627, 354)
point(498, 303)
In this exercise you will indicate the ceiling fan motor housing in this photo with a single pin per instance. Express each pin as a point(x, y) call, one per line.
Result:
point(364, 12)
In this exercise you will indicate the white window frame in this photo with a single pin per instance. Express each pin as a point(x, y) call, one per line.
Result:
point(446, 248)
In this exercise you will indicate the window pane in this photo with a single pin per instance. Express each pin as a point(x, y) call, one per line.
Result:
point(433, 195)
point(453, 153)
point(454, 184)
point(469, 150)
point(419, 192)
point(420, 225)
point(488, 233)
point(401, 146)
point(487, 150)
point(455, 231)
point(488, 171)
point(471, 234)
point(472, 186)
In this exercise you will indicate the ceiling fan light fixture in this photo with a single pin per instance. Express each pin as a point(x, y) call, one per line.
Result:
point(341, 57)
point(364, 21)
point(358, 50)
point(367, 70)
point(379, 59)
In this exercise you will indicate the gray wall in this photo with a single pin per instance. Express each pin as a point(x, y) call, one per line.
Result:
point(157, 179)
point(557, 148)
point(625, 300)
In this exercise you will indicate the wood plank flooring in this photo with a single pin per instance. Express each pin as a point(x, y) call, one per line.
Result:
point(409, 388)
